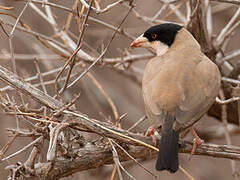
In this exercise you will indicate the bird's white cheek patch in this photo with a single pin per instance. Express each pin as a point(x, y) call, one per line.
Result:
point(160, 48)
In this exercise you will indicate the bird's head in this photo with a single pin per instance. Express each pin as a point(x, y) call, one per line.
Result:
point(159, 37)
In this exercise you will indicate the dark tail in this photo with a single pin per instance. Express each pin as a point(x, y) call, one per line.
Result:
point(168, 151)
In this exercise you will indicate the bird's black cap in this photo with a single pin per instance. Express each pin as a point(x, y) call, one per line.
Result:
point(165, 33)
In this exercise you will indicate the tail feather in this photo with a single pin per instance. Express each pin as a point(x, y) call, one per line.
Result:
point(168, 151)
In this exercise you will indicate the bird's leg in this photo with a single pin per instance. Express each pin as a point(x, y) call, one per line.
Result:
point(196, 142)
point(150, 132)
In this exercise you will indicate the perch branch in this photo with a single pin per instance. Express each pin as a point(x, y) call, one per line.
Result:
point(77, 120)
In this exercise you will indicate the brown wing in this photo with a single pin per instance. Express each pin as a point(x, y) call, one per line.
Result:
point(198, 100)
point(185, 89)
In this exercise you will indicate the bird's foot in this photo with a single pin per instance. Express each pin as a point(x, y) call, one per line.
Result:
point(150, 132)
point(196, 142)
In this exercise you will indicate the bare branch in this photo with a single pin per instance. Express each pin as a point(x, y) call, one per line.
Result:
point(233, 99)
point(237, 2)
point(28, 89)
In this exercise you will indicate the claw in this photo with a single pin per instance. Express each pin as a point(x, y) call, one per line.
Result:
point(151, 132)
point(154, 139)
point(196, 142)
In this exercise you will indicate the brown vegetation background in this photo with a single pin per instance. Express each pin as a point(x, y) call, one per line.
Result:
point(111, 91)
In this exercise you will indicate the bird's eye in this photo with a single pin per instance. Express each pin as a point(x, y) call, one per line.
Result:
point(154, 36)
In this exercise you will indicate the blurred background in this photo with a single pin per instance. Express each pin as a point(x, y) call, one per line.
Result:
point(120, 79)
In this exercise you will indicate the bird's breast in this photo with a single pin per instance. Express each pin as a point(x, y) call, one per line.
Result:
point(163, 95)
point(167, 83)
point(163, 89)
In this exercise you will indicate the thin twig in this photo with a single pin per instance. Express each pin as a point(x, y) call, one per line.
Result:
point(193, 13)
point(6, 8)
point(62, 34)
point(23, 149)
point(229, 33)
point(51, 40)
point(72, 59)
point(164, 6)
point(227, 136)
point(176, 11)
point(233, 99)
point(230, 80)
point(109, 100)
point(116, 160)
point(103, 53)
point(237, 2)
point(148, 171)
point(60, 111)
point(5, 32)
point(12, 34)
point(7, 146)
point(118, 164)
point(220, 37)
point(39, 74)
point(229, 56)
point(137, 123)
point(99, 11)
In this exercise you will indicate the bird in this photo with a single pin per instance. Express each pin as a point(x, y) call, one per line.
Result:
point(179, 85)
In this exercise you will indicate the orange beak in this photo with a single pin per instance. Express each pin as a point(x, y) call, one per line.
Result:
point(139, 42)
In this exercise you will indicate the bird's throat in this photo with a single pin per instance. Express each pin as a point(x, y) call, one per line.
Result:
point(159, 48)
